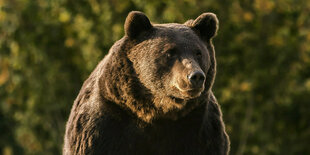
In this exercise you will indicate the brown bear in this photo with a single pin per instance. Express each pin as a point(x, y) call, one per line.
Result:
point(151, 94)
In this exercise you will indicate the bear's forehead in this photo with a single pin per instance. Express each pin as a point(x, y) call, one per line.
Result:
point(175, 35)
point(174, 29)
point(174, 32)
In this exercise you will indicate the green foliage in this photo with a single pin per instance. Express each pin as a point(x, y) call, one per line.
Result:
point(49, 47)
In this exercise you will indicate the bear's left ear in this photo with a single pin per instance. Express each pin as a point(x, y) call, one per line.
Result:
point(205, 25)
point(136, 23)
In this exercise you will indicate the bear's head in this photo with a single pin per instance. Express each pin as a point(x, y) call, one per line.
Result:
point(173, 64)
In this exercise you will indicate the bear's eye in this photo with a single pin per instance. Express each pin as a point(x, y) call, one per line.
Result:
point(170, 53)
point(198, 53)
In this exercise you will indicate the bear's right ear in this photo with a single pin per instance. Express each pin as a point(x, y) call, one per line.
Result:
point(136, 23)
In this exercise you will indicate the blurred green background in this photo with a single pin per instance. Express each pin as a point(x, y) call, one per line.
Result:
point(49, 47)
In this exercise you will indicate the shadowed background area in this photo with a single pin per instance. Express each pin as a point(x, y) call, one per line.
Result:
point(49, 47)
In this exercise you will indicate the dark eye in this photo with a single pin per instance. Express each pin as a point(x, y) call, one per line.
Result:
point(198, 53)
point(171, 53)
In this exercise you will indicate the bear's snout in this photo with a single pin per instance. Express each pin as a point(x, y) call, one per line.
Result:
point(196, 79)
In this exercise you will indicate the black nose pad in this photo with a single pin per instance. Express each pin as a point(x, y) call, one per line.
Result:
point(197, 78)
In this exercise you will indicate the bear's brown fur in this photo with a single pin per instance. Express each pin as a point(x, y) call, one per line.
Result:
point(151, 94)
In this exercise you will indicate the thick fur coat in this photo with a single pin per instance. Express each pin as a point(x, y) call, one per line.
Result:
point(151, 94)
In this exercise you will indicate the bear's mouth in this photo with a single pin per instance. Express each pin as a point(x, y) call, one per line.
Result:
point(191, 93)
point(186, 95)
point(194, 92)
point(177, 100)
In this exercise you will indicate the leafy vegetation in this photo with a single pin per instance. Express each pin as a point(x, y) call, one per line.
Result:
point(49, 47)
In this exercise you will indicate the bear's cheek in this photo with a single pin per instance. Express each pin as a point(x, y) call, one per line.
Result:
point(152, 75)
point(205, 63)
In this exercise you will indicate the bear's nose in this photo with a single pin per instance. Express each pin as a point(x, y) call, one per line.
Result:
point(197, 78)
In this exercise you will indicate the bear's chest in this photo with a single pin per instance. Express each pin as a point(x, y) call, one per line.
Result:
point(127, 138)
